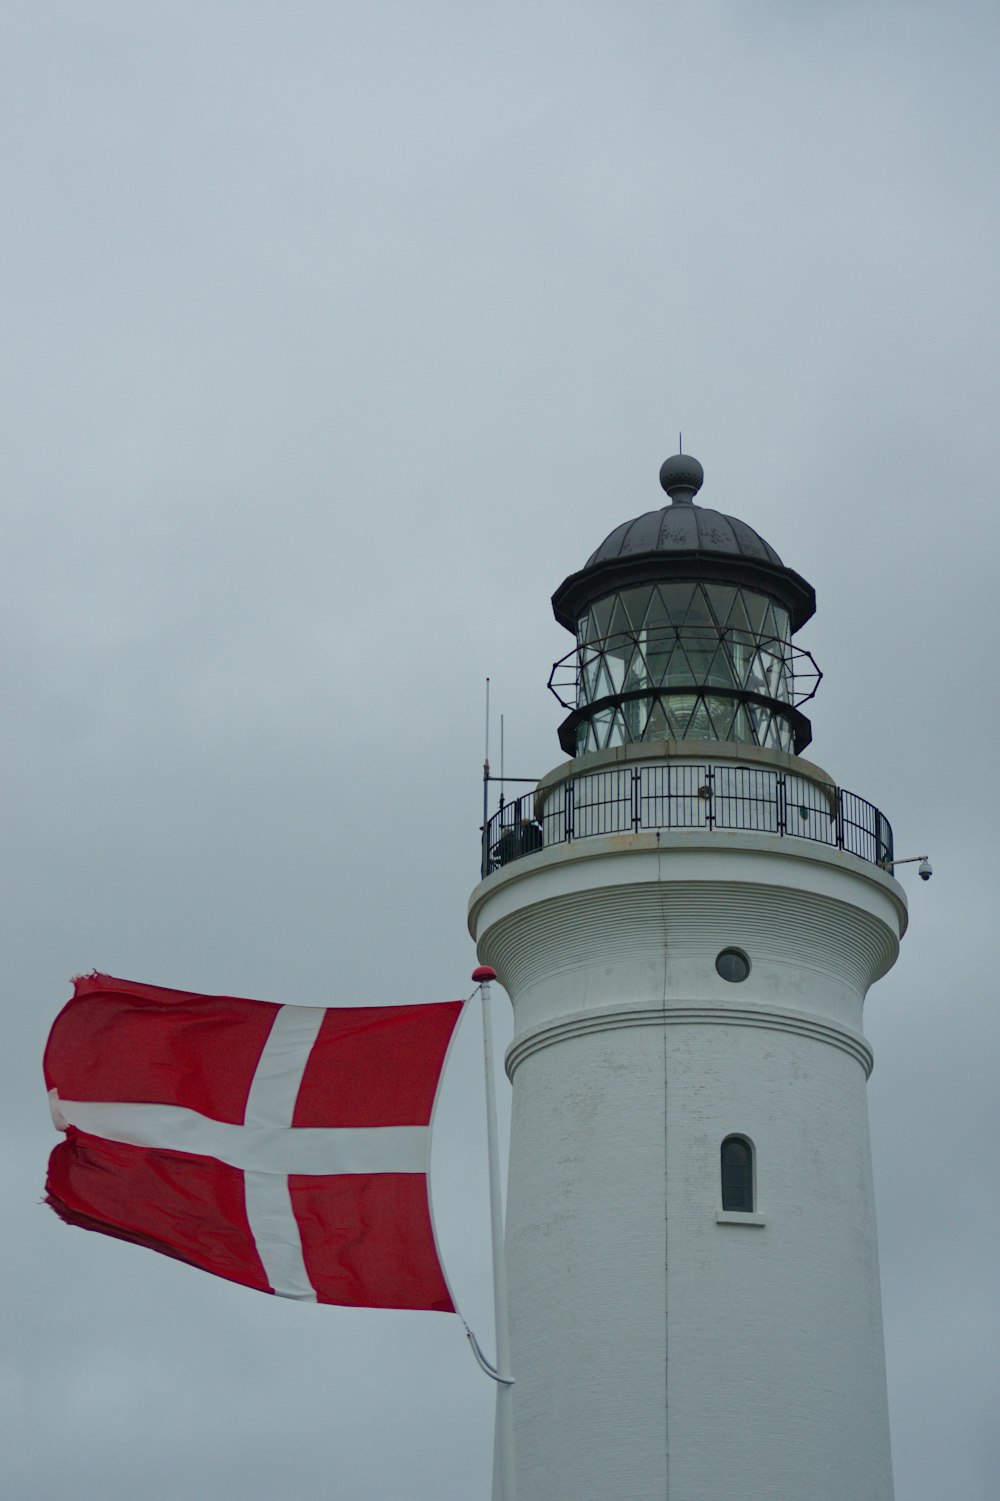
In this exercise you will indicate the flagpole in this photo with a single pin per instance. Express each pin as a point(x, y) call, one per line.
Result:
point(503, 1446)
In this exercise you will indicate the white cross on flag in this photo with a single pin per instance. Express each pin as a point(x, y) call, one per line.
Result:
point(284, 1147)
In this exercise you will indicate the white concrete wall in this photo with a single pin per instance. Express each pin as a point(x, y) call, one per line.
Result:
point(658, 1353)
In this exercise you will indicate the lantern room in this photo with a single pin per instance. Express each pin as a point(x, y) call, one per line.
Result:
point(683, 620)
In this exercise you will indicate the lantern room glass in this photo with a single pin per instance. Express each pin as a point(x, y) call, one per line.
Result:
point(646, 646)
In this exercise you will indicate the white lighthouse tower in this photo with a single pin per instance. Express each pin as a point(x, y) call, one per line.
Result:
point(687, 917)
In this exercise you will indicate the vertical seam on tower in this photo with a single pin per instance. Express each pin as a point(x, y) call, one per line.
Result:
point(666, 1301)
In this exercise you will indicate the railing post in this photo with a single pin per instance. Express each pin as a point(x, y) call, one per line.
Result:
point(780, 803)
point(840, 818)
point(709, 782)
point(636, 820)
point(568, 812)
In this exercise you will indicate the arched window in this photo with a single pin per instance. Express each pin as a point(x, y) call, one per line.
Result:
point(737, 1175)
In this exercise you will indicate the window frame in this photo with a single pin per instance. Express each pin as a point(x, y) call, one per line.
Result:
point(744, 1141)
point(731, 949)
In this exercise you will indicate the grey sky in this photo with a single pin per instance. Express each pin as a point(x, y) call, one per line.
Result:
point(336, 335)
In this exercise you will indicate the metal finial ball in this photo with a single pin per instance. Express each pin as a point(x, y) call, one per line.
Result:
point(682, 477)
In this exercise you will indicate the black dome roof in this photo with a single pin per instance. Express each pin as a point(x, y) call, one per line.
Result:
point(682, 540)
point(684, 528)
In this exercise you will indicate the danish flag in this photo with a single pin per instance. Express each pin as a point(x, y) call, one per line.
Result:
point(283, 1147)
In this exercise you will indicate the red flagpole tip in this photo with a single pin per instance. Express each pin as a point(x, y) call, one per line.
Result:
point(483, 973)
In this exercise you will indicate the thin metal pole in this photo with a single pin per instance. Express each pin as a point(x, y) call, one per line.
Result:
point(503, 1445)
point(486, 789)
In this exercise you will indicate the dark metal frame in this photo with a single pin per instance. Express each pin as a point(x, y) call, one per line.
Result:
point(567, 677)
point(575, 662)
point(610, 575)
point(800, 725)
point(709, 796)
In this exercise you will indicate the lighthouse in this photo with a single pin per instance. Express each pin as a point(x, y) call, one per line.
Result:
point(687, 915)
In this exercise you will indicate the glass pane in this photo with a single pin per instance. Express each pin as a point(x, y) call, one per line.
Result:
point(656, 618)
point(590, 666)
point(658, 614)
point(676, 598)
point(756, 674)
point(636, 603)
point(619, 626)
point(738, 617)
point(680, 672)
point(602, 724)
point(658, 726)
point(734, 967)
point(698, 613)
point(609, 677)
point(699, 649)
point(614, 662)
point(601, 618)
point(755, 717)
point(720, 597)
point(778, 673)
point(700, 726)
point(740, 653)
point(680, 708)
point(756, 606)
point(737, 1176)
point(633, 718)
point(636, 673)
point(722, 711)
point(720, 672)
point(618, 731)
point(741, 726)
point(658, 650)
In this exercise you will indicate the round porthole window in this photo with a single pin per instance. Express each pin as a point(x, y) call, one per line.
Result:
point(732, 965)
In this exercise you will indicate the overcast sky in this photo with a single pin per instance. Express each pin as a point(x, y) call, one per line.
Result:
point(336, 334)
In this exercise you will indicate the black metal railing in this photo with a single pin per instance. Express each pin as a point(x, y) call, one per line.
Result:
point(625, 800)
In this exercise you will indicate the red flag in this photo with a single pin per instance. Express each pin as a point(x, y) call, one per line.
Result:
point(284, 1147)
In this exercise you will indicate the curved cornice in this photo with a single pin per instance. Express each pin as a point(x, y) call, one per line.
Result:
point(609, 575)
point(582, 1023)
point(762, 860)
